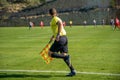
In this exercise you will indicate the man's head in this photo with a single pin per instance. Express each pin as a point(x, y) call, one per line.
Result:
point(53, 12)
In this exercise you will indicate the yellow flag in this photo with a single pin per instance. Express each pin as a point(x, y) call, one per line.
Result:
point(44, 54)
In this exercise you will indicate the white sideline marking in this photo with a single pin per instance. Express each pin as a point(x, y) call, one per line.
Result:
point(95, 73)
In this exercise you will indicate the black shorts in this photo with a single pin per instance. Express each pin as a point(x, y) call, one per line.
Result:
point(60, 46)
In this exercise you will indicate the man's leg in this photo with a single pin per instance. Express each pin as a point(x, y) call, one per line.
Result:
point(56, 55)
point(66, 59)
point(115, 27)
point(68, 62)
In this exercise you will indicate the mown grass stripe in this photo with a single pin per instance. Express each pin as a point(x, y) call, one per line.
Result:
point(50, 71)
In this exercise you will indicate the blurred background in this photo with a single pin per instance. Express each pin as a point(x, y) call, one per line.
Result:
point(20, 12)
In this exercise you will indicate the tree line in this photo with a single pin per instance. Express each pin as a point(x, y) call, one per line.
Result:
point(6, 2)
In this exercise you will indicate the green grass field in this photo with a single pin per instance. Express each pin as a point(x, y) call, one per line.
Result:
point(92, 50)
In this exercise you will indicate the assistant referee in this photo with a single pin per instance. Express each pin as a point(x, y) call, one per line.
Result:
point(60, 41)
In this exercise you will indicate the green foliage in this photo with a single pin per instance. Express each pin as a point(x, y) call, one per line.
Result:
point(29, 2)
point(3, 2)
point(118, 13)
point(24, 1)
point(112, 3)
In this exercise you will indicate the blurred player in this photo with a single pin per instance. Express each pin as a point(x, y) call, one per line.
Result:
point(103, 22)
point(94, 22)
point(112, 23)
point(41, 24)
point(64, 23)
point(31, 24)
point(117, 23)
point(85, 23)
point(70, 22)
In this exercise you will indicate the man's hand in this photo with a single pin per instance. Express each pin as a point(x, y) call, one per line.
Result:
point(57, 37)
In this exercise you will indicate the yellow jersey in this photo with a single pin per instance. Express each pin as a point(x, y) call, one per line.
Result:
point(70, 22)
point(54, 26)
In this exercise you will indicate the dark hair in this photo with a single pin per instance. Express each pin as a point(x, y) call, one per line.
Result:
point(52, 11)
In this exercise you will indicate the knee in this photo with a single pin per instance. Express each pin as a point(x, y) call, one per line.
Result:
point(50, 53)
point(65, 54)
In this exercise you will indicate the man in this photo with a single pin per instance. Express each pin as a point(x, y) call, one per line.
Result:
point(60, 41)
point(85, 23)
point(70, 23)
point(117, 23)
point(30, 25)
point(94, 22)
point(103, 22)
point(41, 24)
point(112, 23)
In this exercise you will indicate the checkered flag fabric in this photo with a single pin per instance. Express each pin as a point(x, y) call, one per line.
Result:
point(44, 54)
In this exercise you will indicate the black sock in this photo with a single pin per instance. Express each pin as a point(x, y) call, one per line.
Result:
point(69, 64)
point(67, 61)
point(56, 55)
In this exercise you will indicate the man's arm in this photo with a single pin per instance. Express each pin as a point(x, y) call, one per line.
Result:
point(59, 23)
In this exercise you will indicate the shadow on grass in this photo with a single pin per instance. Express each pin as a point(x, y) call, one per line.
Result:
point(29, 75)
